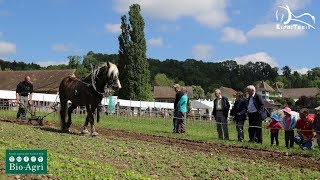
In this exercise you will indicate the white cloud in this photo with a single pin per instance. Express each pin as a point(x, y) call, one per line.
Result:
point(270, 31)
point(233, 35)
point(48, 63)
point(211, 13)
point(301, 70)
point(113, 28)
point(293, 4)
point(202, 51)
point(257, 57)
point(7, 48)
point(155, 41)
point(167, 28)
point(60, 47)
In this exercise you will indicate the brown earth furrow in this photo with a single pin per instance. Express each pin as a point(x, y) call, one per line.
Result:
point(282, 158)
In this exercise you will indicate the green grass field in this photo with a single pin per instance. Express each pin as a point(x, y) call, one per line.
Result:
point(82, 157)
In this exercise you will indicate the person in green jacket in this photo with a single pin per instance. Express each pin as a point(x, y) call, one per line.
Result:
point(182, 111)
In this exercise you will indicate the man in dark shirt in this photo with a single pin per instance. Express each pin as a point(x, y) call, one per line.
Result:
point(175, 114)
point(255, 110)
point(24, 96)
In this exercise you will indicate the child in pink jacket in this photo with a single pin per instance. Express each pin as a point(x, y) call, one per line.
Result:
point(274, 127)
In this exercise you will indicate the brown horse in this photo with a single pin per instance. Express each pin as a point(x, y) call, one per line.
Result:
point(87, 92)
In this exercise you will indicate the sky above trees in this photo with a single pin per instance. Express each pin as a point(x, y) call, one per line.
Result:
point(47, 32)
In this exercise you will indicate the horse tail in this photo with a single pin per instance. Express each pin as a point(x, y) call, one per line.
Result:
point(63, 104)
point(63, 112)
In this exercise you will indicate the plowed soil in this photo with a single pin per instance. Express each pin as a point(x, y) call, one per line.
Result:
point(297, 160)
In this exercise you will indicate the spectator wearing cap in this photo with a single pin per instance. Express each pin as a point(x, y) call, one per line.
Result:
point(238, 112)
point(220, 112)
point(316, 125)
point(175, 113)
point(274, 127)
point(288, 124)
point(304, 128)
point(182, 107)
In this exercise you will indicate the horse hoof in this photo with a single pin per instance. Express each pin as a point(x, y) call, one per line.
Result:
point(84, 131)
point(94, 134)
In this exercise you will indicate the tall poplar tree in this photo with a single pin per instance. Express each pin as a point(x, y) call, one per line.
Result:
point(133, 64)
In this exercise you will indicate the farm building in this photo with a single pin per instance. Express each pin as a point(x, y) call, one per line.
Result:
point(227, 92)
point(45, 85)
point(296, 93)
point(264, 89)
point(44, 81)
point(167, 93)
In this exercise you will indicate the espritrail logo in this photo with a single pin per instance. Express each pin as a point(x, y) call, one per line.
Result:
point(26, 161)
point(287, 20)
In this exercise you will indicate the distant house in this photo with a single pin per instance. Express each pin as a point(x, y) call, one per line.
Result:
point(44, 81)
point(296, 93)
point(264, 89)
point(167, 93)
point(228, 92)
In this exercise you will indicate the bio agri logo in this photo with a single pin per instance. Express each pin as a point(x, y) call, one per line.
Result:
point(290, 21)
point(26, 161)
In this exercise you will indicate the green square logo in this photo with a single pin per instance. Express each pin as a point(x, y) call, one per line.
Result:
point(26, 161)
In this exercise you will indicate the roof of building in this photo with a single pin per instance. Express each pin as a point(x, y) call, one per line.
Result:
point(296, 93)
point(263, 86)
point(225, 91)
point(167, 92)
point(42, 80)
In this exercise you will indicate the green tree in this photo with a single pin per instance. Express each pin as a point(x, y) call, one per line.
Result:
point(162, 80)
point(303, 102)
point(286, 71)
point(89, 60)
point(198, 92)
point(133, 64)
point(74, 62)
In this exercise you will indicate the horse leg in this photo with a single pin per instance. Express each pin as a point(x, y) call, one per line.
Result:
point(63, 109)
point(93, 130)
point(83, 129)
point(70, 110)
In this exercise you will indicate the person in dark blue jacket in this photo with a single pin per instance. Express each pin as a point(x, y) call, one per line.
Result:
point(238, 112)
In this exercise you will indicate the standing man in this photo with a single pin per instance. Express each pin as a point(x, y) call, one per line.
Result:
point(220, 112)
point(24, 96)
point(182, 107)
point(175, 113)
point(304, 129)
point(255, 110)
point(239, 113)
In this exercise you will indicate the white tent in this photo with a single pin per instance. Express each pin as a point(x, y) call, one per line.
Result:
point(11, 95)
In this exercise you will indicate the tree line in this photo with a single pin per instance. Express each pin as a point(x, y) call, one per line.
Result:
point(138, 73)
point(207, 75)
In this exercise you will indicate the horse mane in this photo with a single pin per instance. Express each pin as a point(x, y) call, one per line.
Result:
point(112, 68)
